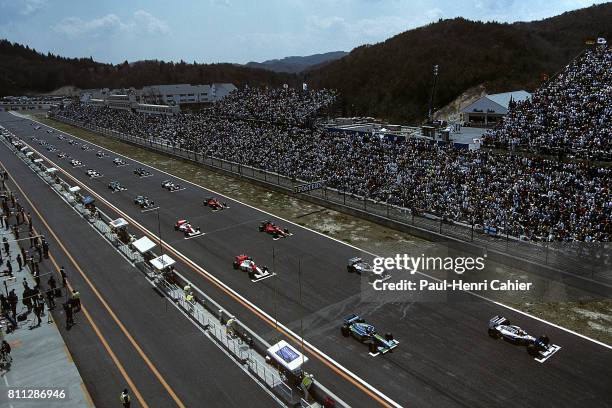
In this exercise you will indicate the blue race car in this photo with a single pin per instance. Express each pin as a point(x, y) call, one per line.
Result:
point(355, 326)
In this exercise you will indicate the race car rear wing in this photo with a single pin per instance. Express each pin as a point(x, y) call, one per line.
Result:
point(497, 320)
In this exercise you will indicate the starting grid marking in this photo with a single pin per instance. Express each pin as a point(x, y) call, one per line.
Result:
point(149, 209)
point(548, 353)
point(268, 275)
point(200, 234)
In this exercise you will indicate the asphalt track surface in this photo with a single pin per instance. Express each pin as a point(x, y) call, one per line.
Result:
point(445, 357)
point(196, 370)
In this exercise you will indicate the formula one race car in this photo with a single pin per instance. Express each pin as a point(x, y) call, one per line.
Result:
point(37, 127)
point(62, 155)
point(274, 230)
point(355, 326)
point(142, 172)
point(119, 162)
point(215, 204)
point(76, 163)
point(171, 186)
point(144, 202)
point(101, 154)
point(540, 348)
point(60, 137)
point(71, 142)
point(52, 149)
point(49, 131)
point(359, 266)
point(245, 263)
point(116, 186)
point(93, 174)
point(188, 229)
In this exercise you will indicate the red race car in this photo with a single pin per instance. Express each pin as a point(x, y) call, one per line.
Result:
point(185, 227)
point(215, 204)
point(274, 230)
point(245, 263)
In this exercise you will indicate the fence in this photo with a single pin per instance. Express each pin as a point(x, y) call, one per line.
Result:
point(583, 261)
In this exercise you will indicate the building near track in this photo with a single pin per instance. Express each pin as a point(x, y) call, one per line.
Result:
point(490, 109)
point(181, 94)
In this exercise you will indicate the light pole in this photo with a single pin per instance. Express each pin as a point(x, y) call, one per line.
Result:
point(433, 92)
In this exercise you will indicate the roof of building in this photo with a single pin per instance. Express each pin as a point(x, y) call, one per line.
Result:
point(504, 98)
point(496, 103)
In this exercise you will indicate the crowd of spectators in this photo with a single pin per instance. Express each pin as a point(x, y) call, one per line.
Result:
point(533, 198)
point(571, 113)
point(280, 105)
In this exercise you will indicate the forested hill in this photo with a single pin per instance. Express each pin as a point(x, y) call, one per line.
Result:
point(24, 70)
point(393, 79)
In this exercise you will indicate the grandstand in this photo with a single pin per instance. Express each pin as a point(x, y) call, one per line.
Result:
point(526, 198)
point(570, 114)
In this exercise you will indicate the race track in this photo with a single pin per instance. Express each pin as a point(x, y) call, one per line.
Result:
point(445, 358)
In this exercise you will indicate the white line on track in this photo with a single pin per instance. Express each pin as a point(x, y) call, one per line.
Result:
point(337, 240)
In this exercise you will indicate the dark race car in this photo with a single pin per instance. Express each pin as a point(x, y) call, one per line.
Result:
point(141, 172)
point(143, 202)
point(355, 326)
point(116, 186)
point(101, 154)
point(274, 230)
point(359, 266)
point(245, 263)
point(539, 348)
point(215, 204)
point(171, 186)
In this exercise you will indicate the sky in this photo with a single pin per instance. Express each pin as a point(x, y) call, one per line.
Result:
point(238, 31)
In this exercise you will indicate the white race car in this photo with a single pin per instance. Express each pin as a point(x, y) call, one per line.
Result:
point(171, 186)
point(245, 263)
point(76, 163)
point(93, 173)
point(360, 267)
point(119, 162)
point(185, 227)
point(540, 348)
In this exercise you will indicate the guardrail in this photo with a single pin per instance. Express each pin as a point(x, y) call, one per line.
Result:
point(579, 260)
point(242, 344)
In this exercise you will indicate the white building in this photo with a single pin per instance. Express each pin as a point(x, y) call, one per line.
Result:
point(489, 109)
point(180, 94)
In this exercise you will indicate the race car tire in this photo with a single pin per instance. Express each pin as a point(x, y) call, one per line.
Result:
point(345, 331)
point(494, 334)
point(275, 235)
point(350, 269)
point(261, 228)
point(176, 228)
point(532, 350)
point(544, 339)
point(235, 265)
point(388, 336)
point(286, 230)
point(372, 347)
point(186, 234)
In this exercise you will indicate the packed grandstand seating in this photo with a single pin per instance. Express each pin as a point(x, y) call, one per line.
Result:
point(532, 198)
point(571, 113)
point(278, 105)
